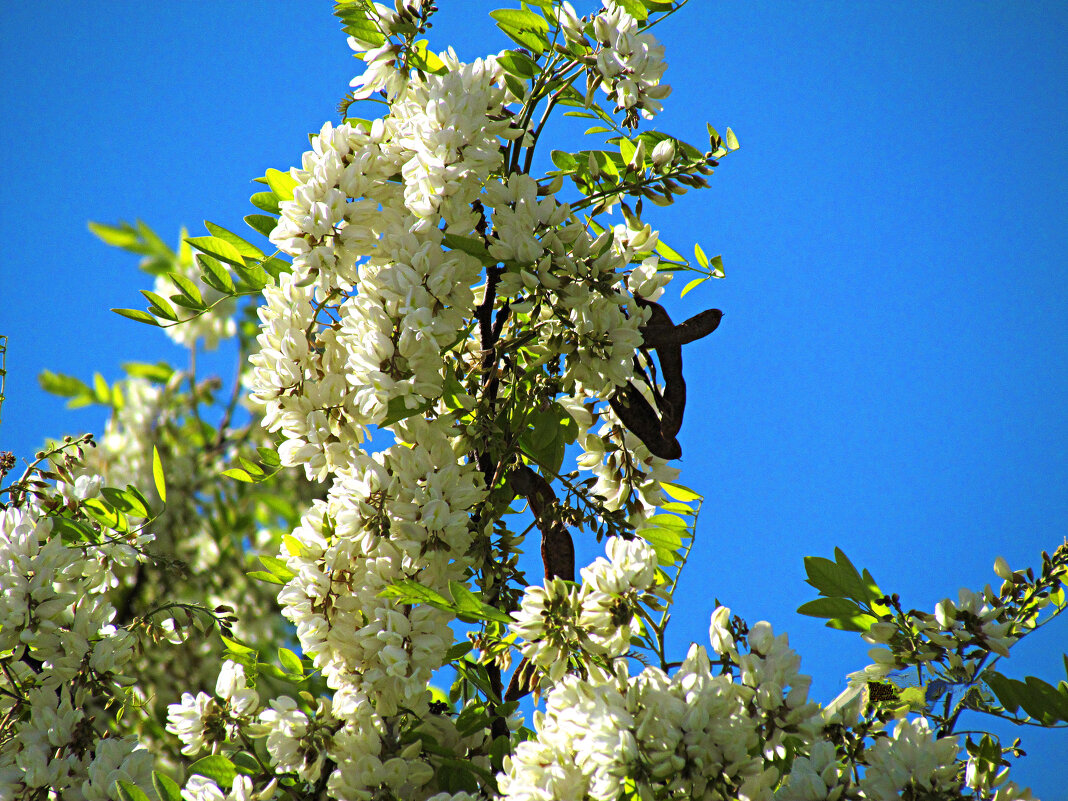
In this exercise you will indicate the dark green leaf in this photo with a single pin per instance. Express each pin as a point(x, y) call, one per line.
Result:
point(830, 608)
point(261, 223)
point(186, 287)
point(130, 791)
point(166, 787)
point(397, 410)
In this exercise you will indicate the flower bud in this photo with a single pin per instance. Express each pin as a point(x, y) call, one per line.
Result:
point(1002, 569)
point(664, 154)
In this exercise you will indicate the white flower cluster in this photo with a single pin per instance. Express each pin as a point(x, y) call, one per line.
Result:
point(350, 225)
point(688, 735)
point(65, 658)
point(630, 63)
point(400, 514)
point(559, 620)
point(202, 721)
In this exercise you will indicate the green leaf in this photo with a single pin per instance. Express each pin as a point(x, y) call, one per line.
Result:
point(157, 475)
point(830, 608)
point(101, 390)
point(669, 522)
point(275, 267)
point(840, 579)
point(124, 501)
point(130, 791)
point(691, 285)
point(160, 307)
point(731, 140)
point(215, 275)
point(137, 315)
point(679, 492)
point(74, 532)
point(265, 201)
point(246, 249)
point(281, 183)
point(716, 263)
point(408, 591)
point(664, 541)
point(217, 248)
point(518, 64)
point(633, 7)
point(119, 236)
point(702, 259)
point(423, 58)
point(186, 287)
point(261, 223)
point(458, 650)
point(269, 457)
point(596, 129)
point(166, 787)
point(159, 372)
point(66, 386)
point(291, 662)
point(255, 277)
point(468, 604)
point(263, 575)
point(564, 161)
point(235, 647)
point(278, 567)
point(105, 515)
point(523, 27)
point(217, 768)
point(397, 410)
point(237, 474)
point(470, 245)
point(668, 253)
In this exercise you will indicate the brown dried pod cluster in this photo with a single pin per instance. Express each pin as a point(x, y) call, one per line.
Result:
point(658, 430)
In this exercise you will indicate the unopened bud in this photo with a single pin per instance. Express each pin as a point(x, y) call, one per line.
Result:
point(1002, 569)
point(664, 154)
point(595, 169)
point(637, 161)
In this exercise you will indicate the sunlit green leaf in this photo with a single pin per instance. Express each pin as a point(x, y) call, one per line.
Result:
point(245, 249)
point(217, 768)
point(157, 475)
point(137, 315)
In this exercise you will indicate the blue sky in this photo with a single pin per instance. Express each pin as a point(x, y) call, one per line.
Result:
point(891, 373)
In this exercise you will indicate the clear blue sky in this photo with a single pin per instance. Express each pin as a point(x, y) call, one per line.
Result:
point(892, 371)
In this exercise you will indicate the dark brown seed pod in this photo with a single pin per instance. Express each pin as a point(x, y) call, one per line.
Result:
point(557, 547)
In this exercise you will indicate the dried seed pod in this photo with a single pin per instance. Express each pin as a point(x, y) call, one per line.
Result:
point(557, 547)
